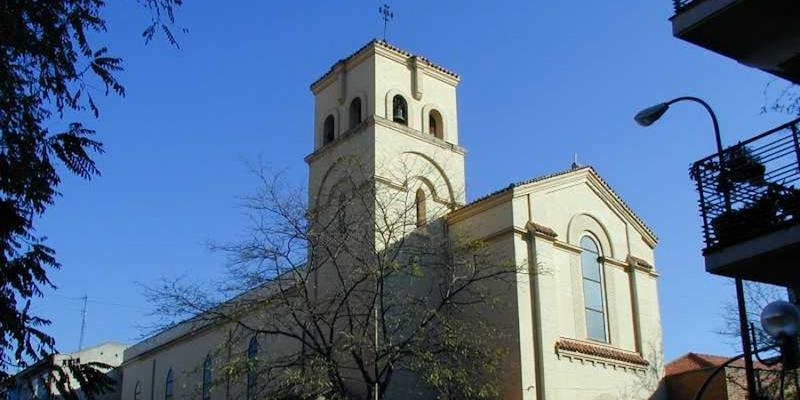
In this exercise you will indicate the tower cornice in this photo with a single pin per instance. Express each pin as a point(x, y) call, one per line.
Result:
point(388, 51)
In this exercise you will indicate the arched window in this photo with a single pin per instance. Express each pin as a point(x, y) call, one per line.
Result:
point(399, 110)
point(436, 124)
point(252, 371)
point(593, 293)
point(207, 378)
point(422, 217)
point(328, 131)
point(355, 112)
point(169, 385)
point(137, 391)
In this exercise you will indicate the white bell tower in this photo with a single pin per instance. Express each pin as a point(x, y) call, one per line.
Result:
point(390, 116)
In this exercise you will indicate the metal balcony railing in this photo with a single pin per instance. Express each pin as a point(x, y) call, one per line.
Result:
point(680, 5)
point(752, 188)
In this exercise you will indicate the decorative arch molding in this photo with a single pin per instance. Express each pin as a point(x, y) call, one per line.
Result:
point(328, 182)
point(449, 197)
point(426, 110)
point(389, 115)
point(581, 224)
point(337, 123)
point(426, 185)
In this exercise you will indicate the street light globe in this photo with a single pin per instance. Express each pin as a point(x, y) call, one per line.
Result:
point(781, 319)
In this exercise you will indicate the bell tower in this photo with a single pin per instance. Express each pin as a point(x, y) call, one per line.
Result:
point(390, 117)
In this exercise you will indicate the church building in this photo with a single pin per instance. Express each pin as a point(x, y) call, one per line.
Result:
point(581, 323)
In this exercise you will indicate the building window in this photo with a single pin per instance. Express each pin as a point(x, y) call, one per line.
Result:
point(252, 368)
point(355, 112)
point(137, 391)
point(436, 124)
point(207, 378)
point(422, 217)
point(399, 110)
point(169, 386)
point(328, 131)
point(593, 296)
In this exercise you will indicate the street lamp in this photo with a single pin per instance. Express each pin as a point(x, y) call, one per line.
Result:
point(651, 114)
point(781, 320)
point(647, 117)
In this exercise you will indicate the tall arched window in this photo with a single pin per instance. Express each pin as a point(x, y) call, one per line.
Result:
point(355, 112)
point(169, 385)
point(137, 391)
point(422, 217)
point(328, 131)
point(593, 294)
point(399, 110)
point(436, 124)
point(207, 378)
point(252, 371)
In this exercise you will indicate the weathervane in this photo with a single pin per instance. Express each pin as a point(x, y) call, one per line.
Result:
point(386, 13)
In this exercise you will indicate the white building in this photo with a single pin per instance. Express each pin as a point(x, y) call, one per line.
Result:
point(38, 382)
point(583, 324)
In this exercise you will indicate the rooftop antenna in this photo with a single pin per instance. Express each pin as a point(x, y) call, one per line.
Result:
point(85, 299)
point(575, 164)
point(387, 15)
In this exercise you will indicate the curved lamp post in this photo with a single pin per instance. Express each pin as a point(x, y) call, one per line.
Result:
point(651, 114)
point(781, 320)
point(646, 118)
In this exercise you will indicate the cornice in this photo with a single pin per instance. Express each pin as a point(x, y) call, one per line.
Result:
point(390, 52)
point(380, 121)
point(477, 208)
point(430, 139)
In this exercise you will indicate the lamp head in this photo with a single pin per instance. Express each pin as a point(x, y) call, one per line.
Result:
point(781, 319)
point(649, 115)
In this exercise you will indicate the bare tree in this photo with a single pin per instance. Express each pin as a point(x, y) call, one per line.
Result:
point(359, 293)
point(772, 381)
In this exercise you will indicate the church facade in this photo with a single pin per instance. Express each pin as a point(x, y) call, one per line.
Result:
point(580, 320)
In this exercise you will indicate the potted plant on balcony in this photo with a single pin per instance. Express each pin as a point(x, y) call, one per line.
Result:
point(752, 219)
point(741, 166)
point(790, 203)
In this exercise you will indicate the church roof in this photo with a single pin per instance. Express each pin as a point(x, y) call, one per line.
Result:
point(388, 46)
point(696, 361)
point(561, 173)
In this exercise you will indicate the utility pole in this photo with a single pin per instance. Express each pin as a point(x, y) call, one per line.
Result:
point(85, 299)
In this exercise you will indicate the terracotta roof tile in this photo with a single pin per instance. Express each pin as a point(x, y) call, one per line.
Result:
point(600, 351)
point(544, 230)
point(694, 361)
point(638, 262)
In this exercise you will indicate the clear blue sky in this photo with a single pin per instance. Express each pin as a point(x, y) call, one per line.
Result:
point(540, 81)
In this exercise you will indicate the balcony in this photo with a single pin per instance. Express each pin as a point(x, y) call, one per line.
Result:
point(763, 34)
point(750, 206)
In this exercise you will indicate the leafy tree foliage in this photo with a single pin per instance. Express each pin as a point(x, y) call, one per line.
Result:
point(50, 67)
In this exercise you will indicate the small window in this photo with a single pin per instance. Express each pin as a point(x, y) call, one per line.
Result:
point(252, 368)
point(593, 294)
point(328, 131)
point(169, 386)
point(436, 124)
point(137, 391)
point(207, 378)
point(355, 112)
point(422, 217)
point(400, 110)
